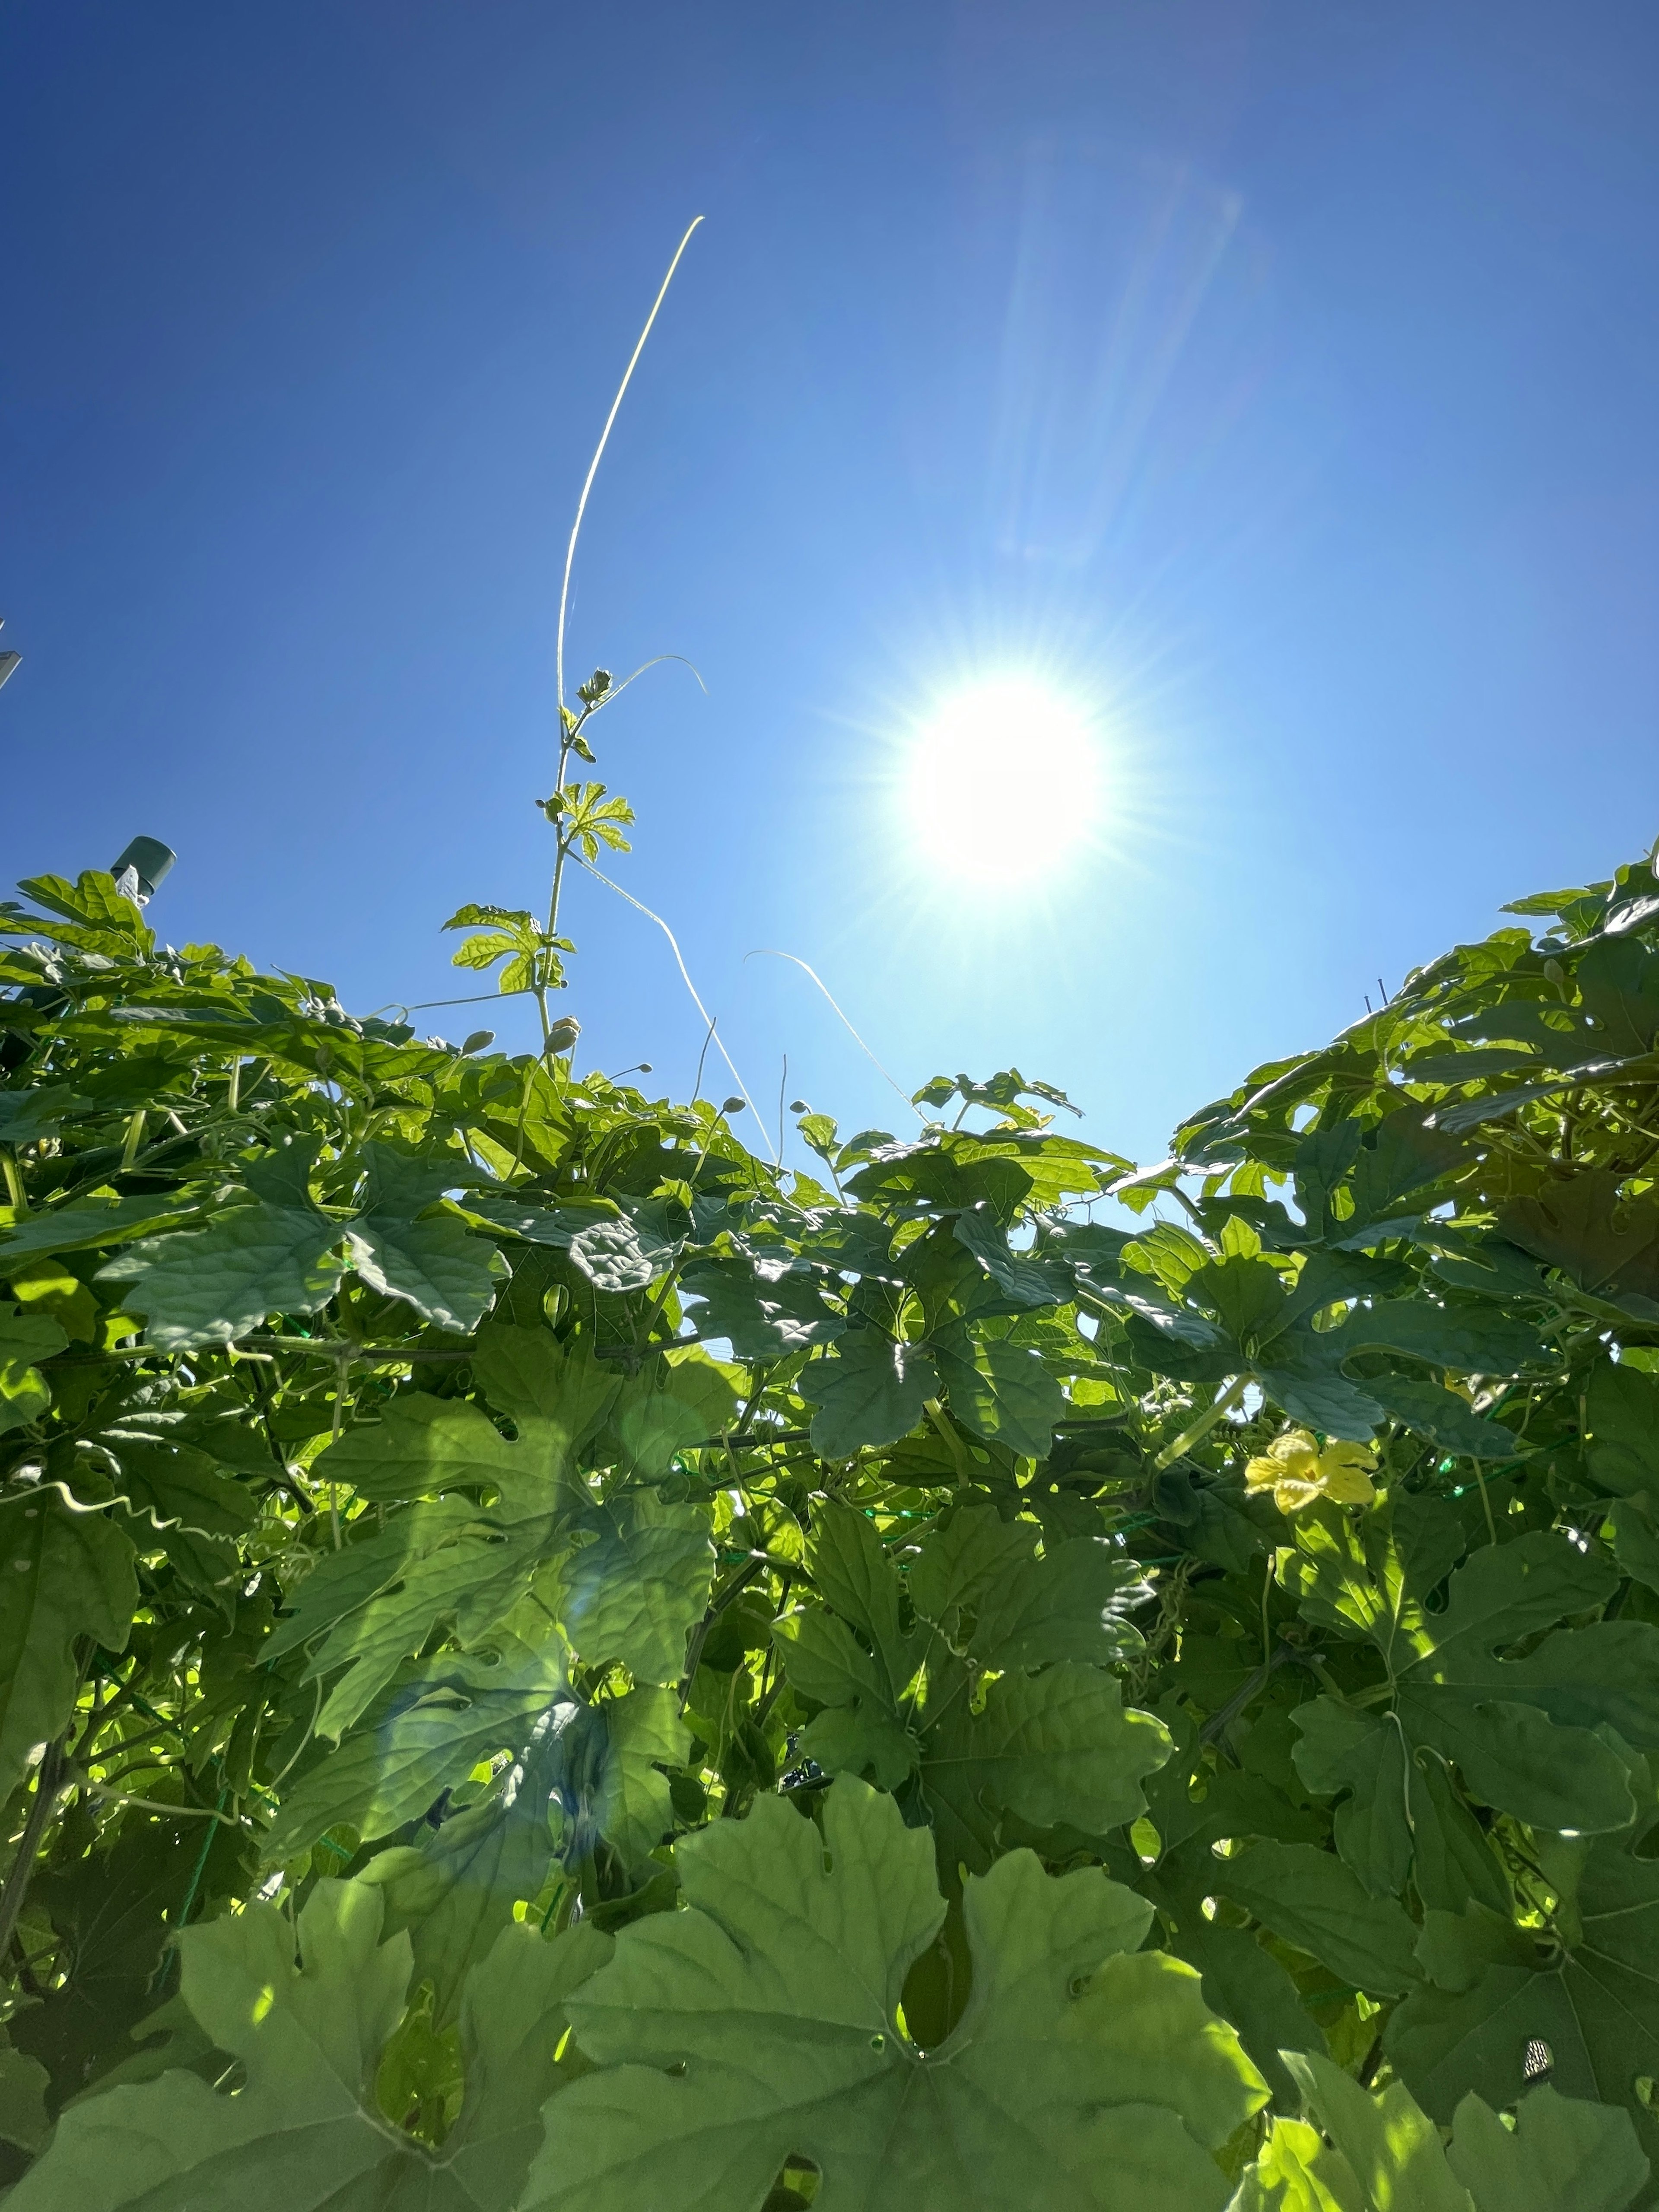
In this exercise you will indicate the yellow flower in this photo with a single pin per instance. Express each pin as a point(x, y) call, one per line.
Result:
point(1297, 1472)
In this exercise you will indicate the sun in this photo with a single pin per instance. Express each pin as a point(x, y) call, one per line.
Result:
point(1000, 784)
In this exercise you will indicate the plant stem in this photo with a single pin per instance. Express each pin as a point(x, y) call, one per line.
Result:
point(1225, 1400)
point(48, 1788)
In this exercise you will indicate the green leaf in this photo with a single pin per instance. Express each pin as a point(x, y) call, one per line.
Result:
point(23, 2085)
point(1636, 1537)
point(1520, 1730)
point(617, 1257)
point(1317, 1394)
point(1584, 1989)
point(608, 1782)
point(435, 1265)
point(1001, 1392)
point(1071, 1603)
point(109, 1912)
point(1467, 1339)
point(450, 1713)
point(854, 1574)
point(25, 1393)
point(304, 2132)
point(1444, 1419)
point(761, 1316)
point(1313, 1900)
point(1296, 2170)
point(861, 1732)
point(1023, 1280)
point(1609, 1250)
point(1523, 1733)
point(209, 1287)
point(1388, 2145)
point(65, 1572)
point(1562, 2151)
point(1362, 1758)
point(681, 1400)
point(1079, 2076)
point(633, 1594)
point(1622, 1407)
point(1057, 1749)
point(870, 1391)
point(421, 1447)
point(27, 1115)
point(1249, 1988)
point(87, 1223)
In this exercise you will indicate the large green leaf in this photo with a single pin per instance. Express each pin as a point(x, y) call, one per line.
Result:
point(449, 1714)
point(1313, 1901)
point(209, 1287)
point(869, 1391)
point(764, 2024)
point(424, 1446)
point(1001, 1392)
point(66, 1573)
point(1523, 1733)
point(457, 1886)
point(304, 2133)
point(1057, 1749)
point(632, 1591)
point(1051, 1748)
point(85, 1224)
point(1381, 2153)
point(1398, 1812)
point(1584, 1989)
point(1561, 2151)
point(607, 1782)
point(406, 1251)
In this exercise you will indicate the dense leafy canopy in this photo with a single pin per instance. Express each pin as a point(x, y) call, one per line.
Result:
point(544, 1661)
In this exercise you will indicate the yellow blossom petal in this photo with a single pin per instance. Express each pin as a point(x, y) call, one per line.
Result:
point(1347, 1485)
point(1290, 1495)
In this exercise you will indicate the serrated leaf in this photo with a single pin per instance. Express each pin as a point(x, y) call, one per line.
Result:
point(1057, 1749)
point(617, 1257)
point(1562, 2151)
point(762, 1315)
point(1388, 2144)
point(870, 1391)
point(304, 2133)
point(433, 1264)
point(450, 1714)
point(64, 1573)
point(1521, 1732)
point(1584, 1989)
point(607, 1781)
point(1079, 2076)
point(1001, 1392)
point(209, 1287)
point(87, 1223)
point(1444, 1419)
point(1313, 1900)
point(634, 1592)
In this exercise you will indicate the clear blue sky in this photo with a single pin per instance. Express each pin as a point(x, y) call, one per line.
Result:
point(1277, 376)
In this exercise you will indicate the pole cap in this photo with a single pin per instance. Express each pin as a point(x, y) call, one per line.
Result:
point(150, 861)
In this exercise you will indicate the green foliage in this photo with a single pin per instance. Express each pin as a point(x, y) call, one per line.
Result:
point(544, 1660)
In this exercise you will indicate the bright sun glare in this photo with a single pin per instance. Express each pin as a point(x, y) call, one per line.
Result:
point(1001, 784)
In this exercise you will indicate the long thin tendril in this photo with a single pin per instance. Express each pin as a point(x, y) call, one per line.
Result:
point(640, 907)
point(772, 952)
point(598, 455)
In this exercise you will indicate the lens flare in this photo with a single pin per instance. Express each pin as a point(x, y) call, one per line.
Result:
point(1001, 785)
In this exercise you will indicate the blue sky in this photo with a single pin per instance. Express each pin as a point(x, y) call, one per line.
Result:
point(1274, 379)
